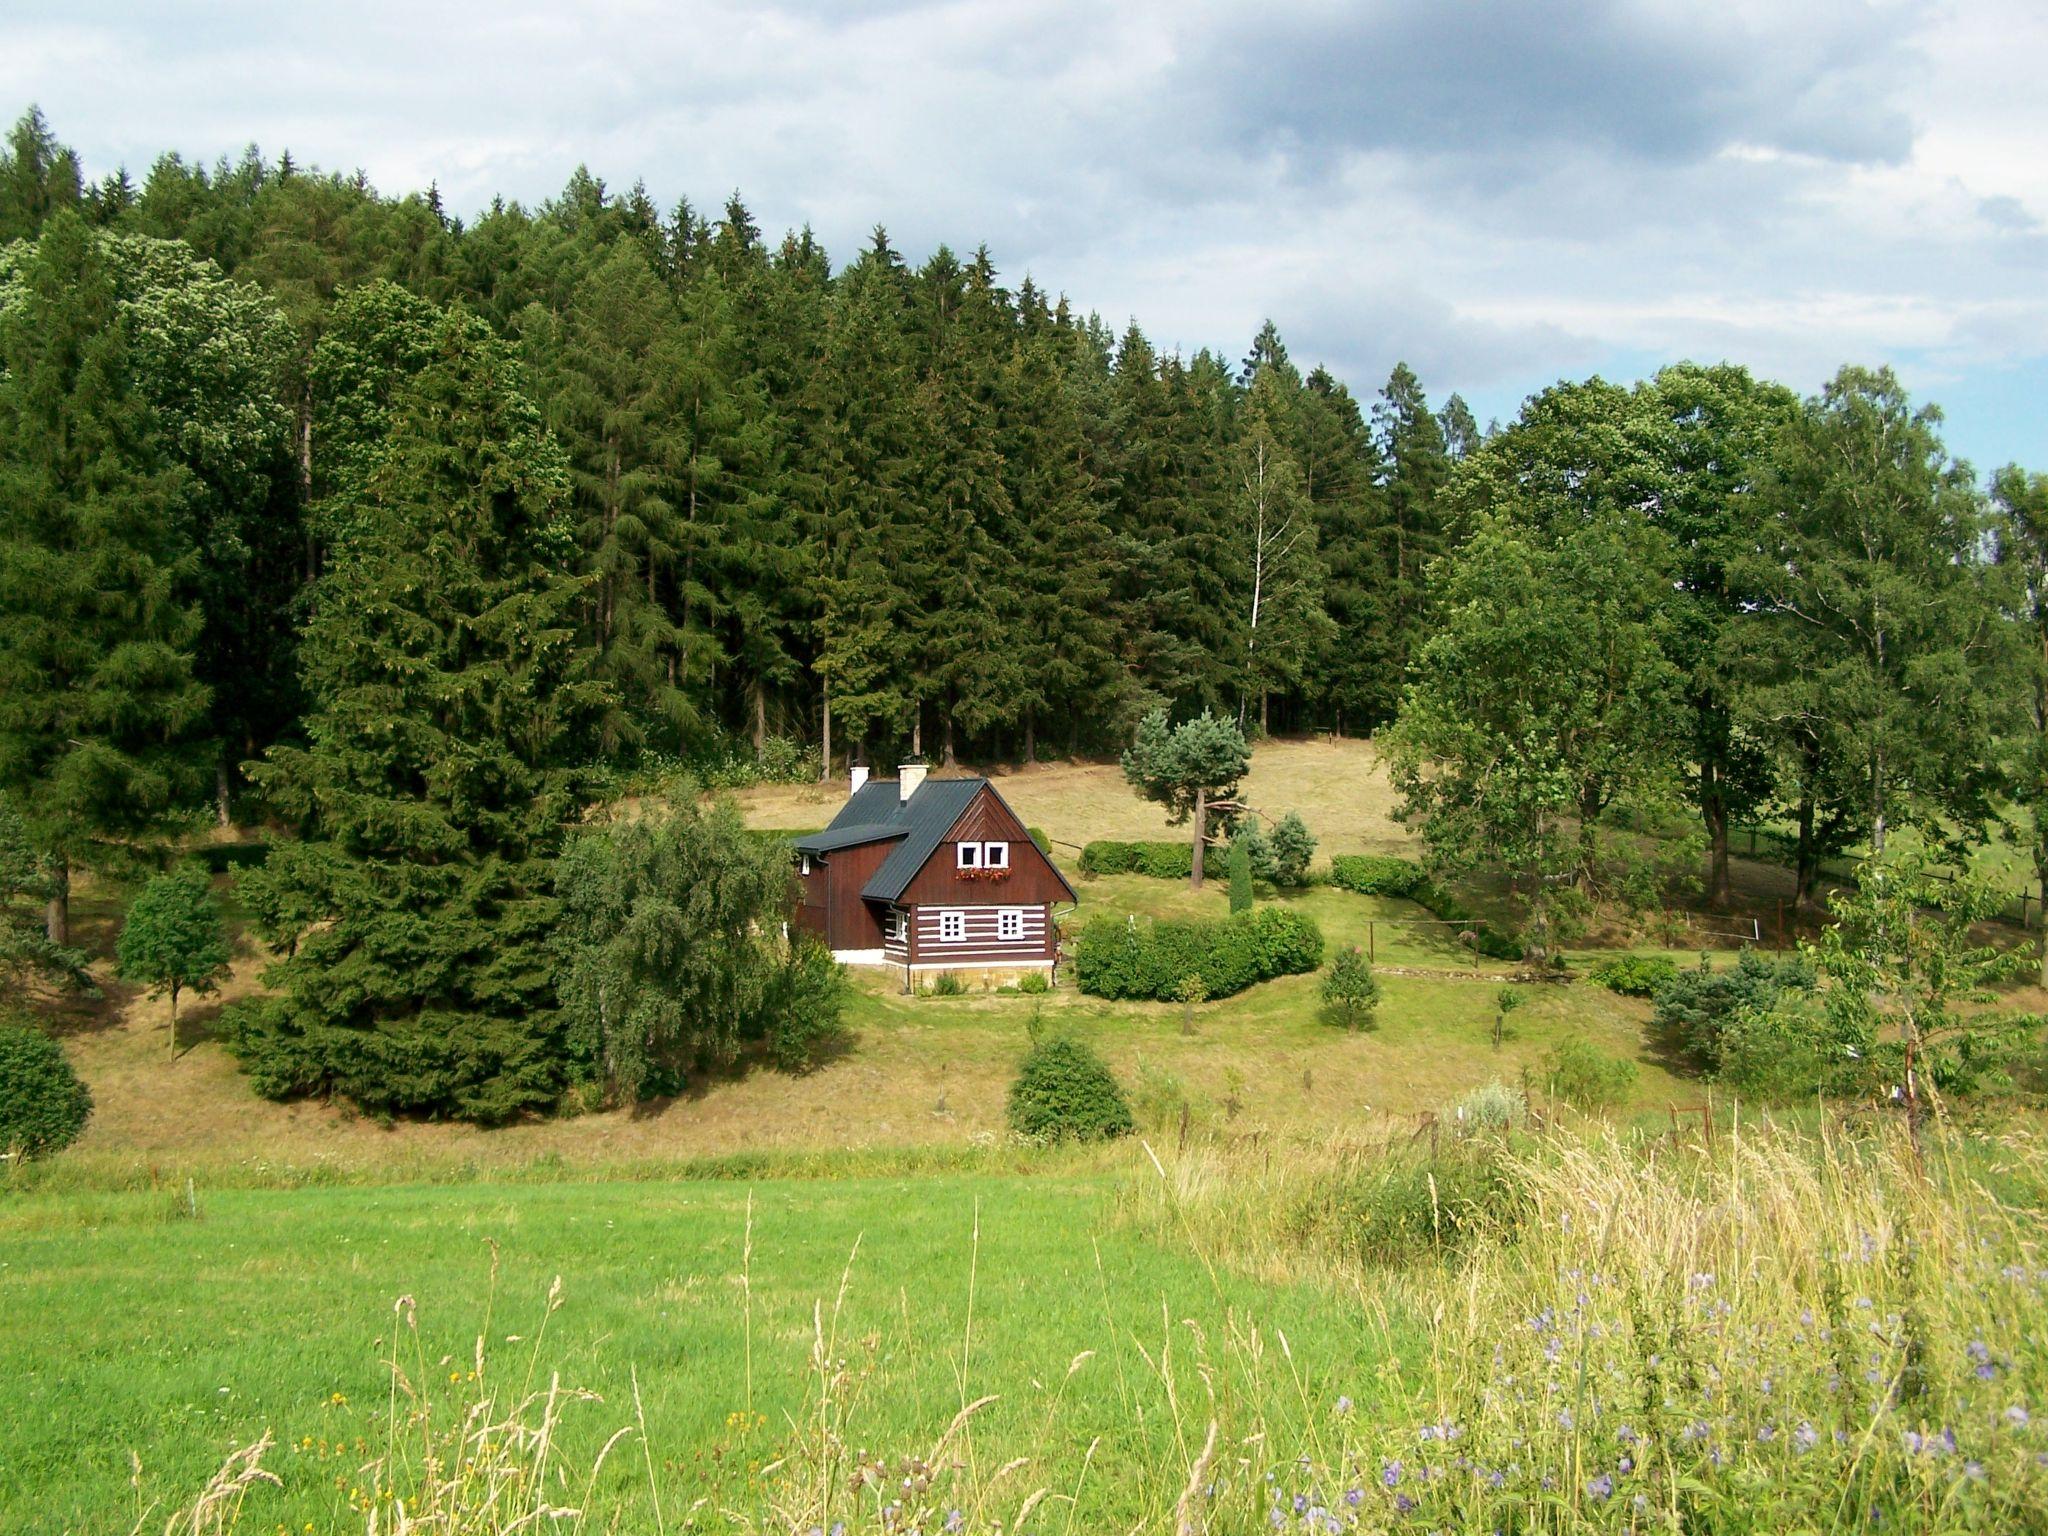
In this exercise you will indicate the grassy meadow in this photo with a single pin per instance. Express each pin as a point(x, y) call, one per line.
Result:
point(776, 1303)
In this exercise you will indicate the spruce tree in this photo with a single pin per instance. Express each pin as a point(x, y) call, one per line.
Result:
point(102, 714)
point(453, 704)
point(39, 178)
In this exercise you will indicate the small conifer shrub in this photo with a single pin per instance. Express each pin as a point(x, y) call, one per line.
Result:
point(1065, 1091)
point(43, 1105)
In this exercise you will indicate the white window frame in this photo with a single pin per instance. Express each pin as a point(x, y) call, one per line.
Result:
point(968, 855)
point(1010, 925)
point(995, 855)
point(952, 926)
point(897, 928)
point(803, 864)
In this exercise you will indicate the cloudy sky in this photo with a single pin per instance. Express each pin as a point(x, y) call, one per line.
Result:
point(1502, 192)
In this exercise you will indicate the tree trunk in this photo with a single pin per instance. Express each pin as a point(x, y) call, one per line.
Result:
point(825, 755)
point(760, 692)
point(1030, 737)
point(1201, 838)
point(946, 739)
point(174, 1021)
point(917, 730)
point(1265, 712)
point(57, 916)
point(306, 479)
point(1806, 859)
point(221, 788)
point(1714, 812)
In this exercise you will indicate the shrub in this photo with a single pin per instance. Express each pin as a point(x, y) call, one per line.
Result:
point(1695, 1008)
point(1240, 875)
point(1351, 997)
point(1293, 847)
point(1634, 975)
point(1034, 982)
point(43, 1105)
point(173, 940)
point(1371, 874)
point(803, 1011)
point(1586, 1077)
point(1258, 847)
point(1123, 958)
point(1493, 1106)
point(946, 984)
point(1039, 840)
point(1065, 1091)
point(1161, 861)
point(1406, 1210)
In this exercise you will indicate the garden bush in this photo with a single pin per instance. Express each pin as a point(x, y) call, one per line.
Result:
point(1122, 958)
point(1371, 874)
point(1034, 982)
point(1634, 975)
point(1293, 847)
point(1066, 1092)
point(1351, 997)
point(1586, 1077)
point(1161, 861)
point(1493, 1106)
point(1695, 1008)
point(43, 1105)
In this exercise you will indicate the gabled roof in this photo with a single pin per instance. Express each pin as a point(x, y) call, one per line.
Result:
point(874, 813)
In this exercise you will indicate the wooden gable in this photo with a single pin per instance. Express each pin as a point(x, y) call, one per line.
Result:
point(1032, 879)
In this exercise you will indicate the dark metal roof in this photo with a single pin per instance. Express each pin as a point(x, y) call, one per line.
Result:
point(929, 815)
point(874, 813)
point(850, 836)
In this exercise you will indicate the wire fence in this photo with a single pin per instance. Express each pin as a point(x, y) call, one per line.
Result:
point(2021, 910)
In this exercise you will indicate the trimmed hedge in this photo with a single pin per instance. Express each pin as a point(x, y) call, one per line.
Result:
point(1117, 958)
point(1161, 861)
point(1380, 875)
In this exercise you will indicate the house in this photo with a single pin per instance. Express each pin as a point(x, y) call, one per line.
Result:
point(927, 875)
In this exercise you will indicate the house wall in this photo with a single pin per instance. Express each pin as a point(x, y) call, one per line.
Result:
point(832, 907)
point(1032, 880)
point(980, 946)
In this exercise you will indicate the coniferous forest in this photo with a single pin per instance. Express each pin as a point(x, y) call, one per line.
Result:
point(333, 507)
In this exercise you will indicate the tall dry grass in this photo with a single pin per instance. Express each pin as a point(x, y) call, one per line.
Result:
point(1784, 1329)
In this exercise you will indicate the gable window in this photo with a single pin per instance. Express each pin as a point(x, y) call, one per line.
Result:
point(952, 927)
point(995, 855)
point(1010, 924)
point(969, 855)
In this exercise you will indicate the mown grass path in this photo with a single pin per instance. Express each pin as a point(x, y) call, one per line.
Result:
point(126, 1326)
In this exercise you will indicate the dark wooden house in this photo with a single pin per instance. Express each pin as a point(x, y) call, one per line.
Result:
point(926, 875)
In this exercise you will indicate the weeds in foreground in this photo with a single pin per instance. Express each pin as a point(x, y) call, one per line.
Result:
point(1782, 1331)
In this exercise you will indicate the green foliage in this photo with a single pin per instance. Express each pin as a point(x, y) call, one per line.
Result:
point(1351, 995)
point(1492, 1106)
point(1240, 863)
point(1065, 1092)
point(1695, 1009)
point(172, 939)
point(1157, 861)
point(735, 765)
point(1192, 769)
point(1635, 975)
point(1120, 958)
point(1294, 846)
point(43, 1105)
point(946, 984)
point(1377, 874)
point(1034, 982)
point(453, 704)
point(1404, 1210)
point(1587, 1077)
point(669, 956)
point(25, 885)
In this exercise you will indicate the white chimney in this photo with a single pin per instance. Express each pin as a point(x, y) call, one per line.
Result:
point(860, 777)
point(908, 777)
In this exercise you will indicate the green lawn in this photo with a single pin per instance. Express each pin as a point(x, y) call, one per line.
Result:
point(125, 1326)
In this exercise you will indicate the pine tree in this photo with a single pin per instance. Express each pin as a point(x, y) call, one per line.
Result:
point(102, 715)
point(39, 178)
point(1274, 534)
point(453, 701)
point(1411, 531)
